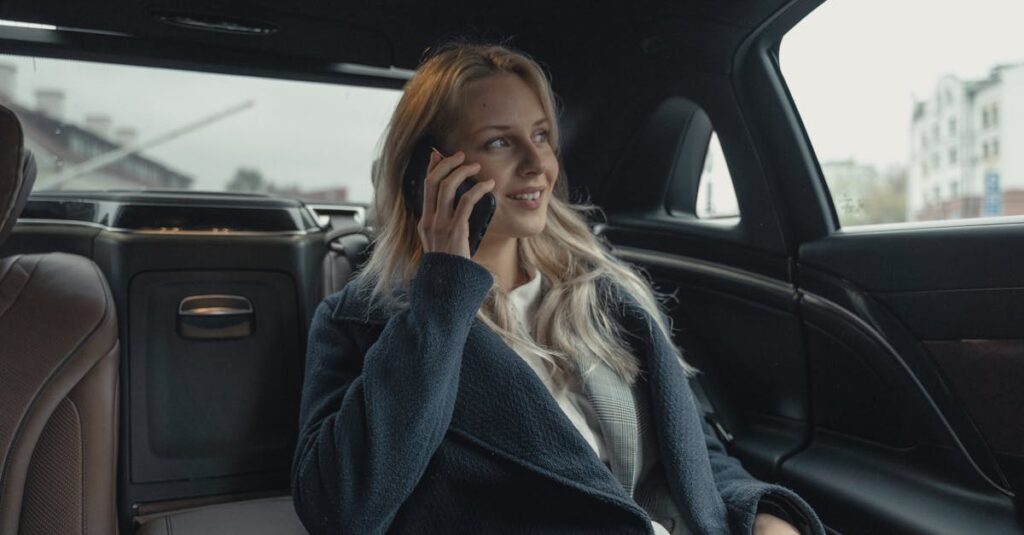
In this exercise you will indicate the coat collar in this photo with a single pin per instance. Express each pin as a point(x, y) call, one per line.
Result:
point(504, 407)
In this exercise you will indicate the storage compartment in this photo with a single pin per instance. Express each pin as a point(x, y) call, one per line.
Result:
point(215, 368)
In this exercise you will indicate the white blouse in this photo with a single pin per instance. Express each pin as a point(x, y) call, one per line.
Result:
point(571, 400)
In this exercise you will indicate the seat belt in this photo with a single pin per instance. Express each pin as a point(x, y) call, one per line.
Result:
point(708, 410)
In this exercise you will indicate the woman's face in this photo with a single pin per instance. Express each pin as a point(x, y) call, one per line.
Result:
point(504, 129)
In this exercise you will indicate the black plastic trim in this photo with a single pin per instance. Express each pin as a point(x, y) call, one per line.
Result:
point(974, 450)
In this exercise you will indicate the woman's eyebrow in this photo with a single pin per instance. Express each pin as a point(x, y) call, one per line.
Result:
point(536, 123)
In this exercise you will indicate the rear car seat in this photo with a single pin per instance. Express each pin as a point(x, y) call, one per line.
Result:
point(266, 516)
point(347, 249)
point(346, 252)
point(58, 376)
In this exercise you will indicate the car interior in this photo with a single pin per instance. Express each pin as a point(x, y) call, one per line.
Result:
point(152, 342)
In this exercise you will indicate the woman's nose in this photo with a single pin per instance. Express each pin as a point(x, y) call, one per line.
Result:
point(531, 160)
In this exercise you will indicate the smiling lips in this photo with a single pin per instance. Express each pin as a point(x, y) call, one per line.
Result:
point(526, 194)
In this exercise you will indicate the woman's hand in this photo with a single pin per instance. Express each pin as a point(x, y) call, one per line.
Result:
point(766, 524)
point(444, 227)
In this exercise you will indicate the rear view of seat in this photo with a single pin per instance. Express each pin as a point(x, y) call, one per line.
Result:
point(347, 250)
point(58, 377)
point(266, 516)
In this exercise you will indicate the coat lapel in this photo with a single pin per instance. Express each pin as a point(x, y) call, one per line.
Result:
point(678, 426)
point(612, 400)
point(504, 407)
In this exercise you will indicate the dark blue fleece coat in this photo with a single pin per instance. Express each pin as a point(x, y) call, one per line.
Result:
point(422, 420)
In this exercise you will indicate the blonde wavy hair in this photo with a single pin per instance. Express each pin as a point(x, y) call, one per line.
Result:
point(573, 316)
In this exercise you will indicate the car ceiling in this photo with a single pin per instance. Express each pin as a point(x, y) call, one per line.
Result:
point(600, 54)
point(311, 36)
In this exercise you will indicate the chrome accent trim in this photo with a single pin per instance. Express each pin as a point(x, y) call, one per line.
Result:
point(232, 234)
point(244, 308)
point(326, 209)
point(671, 261)
point(942, 224)
point(69, 222)
point(239, 233)
point(27, 25)
point(367, 70)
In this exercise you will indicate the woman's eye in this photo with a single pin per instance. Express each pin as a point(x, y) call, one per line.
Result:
point(541, 137)
point(497, 143)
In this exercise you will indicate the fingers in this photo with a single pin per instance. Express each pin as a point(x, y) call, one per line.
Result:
point(435, 157)
point(439, 168)
point(470, 198)
point(448, 187)
point(442, 227)
point(430, 188)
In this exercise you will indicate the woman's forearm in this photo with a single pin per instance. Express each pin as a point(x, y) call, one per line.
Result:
point(369, 424)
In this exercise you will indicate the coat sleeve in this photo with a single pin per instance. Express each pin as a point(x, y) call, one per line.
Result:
point(370, 421)
point(742, 493)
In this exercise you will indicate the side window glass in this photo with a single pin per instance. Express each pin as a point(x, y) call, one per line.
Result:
point(910, 129)
point(716, 198)
point(93, 126)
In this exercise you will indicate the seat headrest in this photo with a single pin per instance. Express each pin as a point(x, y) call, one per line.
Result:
point(17, 171)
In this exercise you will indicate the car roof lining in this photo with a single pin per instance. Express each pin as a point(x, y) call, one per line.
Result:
point(310, 39)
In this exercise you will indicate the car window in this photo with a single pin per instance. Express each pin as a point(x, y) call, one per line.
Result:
point(915, 109)
point(95, 126)
point(716, 198)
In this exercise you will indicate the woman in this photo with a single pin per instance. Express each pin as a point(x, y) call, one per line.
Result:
point(530, 388)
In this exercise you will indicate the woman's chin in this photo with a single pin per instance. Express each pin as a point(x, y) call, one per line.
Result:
point(522, 229)
point(530, 231)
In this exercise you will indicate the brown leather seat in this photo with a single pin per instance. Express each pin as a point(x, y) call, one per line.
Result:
point(58, 377)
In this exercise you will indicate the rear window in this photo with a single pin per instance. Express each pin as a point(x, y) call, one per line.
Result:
point(95, 126)
point(716, 197)
point(915, 108)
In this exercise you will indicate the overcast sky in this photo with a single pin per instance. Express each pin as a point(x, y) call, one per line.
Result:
point(313, 135)
point(853, 67)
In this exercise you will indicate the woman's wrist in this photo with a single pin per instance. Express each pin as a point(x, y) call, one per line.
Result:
point(768, 524)
point(445, 280)
point(776, 515)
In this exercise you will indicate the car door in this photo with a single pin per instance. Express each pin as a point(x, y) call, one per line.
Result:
point(871, 370)
point(927, 298)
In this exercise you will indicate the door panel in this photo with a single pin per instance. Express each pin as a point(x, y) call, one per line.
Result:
point(741, 329)
point(830, 403)
point(955, 292)
point(859, 487)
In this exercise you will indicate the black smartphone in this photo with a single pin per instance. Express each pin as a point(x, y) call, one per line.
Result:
point(412, 188)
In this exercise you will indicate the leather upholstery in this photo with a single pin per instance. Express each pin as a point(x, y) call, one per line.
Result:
point(267, 516)
point(344, 255)
point(18, 168)
point(58, 378)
